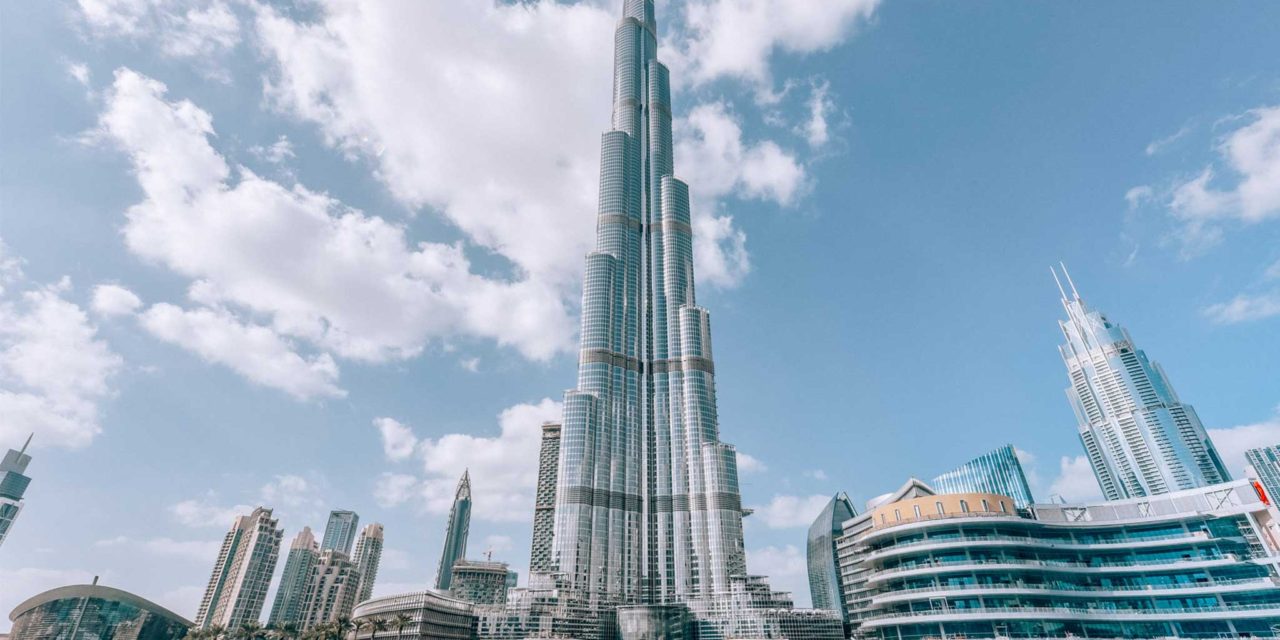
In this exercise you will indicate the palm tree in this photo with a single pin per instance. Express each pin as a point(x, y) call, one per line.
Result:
point(250, 630)
point(216, 632)
point(378, 625)
point(290, 631)
point(400, 622)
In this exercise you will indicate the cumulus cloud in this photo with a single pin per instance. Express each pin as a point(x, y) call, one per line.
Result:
point(289, 496)
point(504, 468)
point(1249, 167)
point(737, 38)
point(398, 441)
point(193, 550)
point(19, 583)
point(196, 29)
point(790, 512)
point(276, 152)
point(258, 353)
point(748, 463)
point(1232, 442)
point(204, 512)
point(1245, 308)
point(54, 369)
point(111, 300)
point(816, 129)
point(1075, 481)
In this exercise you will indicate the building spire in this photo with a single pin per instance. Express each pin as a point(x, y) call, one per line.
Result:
point(464, 486)
point(1075, 294)
point(1058, 282)
point(27, 444)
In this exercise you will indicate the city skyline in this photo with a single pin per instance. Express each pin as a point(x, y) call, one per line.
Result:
point(876, 270)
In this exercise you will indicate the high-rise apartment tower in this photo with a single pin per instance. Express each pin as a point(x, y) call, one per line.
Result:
point(544, 507)
point(298, 569)
point(242, 573)
point(341, 531)
point(368, 556)
point(1140, 438)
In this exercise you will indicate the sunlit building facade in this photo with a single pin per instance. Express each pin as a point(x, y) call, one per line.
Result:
point(432, 616)
point(544, 508)
point(820, 554)
point(1197, 563)
point(368, 556)
point(340, 532)
point(1265, 463)
point(996, 472)
point(1140, 438)
point(332, 592)
point(242, 572)
point(299, 567)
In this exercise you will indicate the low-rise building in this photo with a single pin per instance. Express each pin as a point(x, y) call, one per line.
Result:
point(94, 611)
point(477, 582)
point(1199, 563)
point(426, 615)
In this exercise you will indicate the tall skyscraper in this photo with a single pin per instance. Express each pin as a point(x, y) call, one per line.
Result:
point(1140, 438)
point(825, 586)
point(455, 535)
point(544, 508)
point(340, 533)
point(647, 504)
point(368, 556)
point(242, 573)
point(1266, 466)
point(332, 592)
point(996, 472)
point(298, 570)
point(13, 485)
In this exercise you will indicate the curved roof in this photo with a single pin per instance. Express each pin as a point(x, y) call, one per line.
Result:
point(94, 591)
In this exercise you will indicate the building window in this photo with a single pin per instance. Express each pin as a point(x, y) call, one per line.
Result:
point(1004, 507)
point(964, 506)
point(917, 508)
point(897, 515)
point(986, 506)
point(941, 510)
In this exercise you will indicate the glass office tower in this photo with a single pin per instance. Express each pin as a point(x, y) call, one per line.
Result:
point(996, 472)
point(1140, 438)
point(824, 573)
point(13, 485)
point(455, 535)
point(340, 533)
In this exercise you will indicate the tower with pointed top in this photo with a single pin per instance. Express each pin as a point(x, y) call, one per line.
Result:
point(647, 504)
point(455, 536)
point(299, 567)
point(1141, 440)
point(13, 485)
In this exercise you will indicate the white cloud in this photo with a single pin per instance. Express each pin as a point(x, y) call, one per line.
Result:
point(79, 71)
point(750, 464)
point(202, 512)
point(196, 29)
point(1159, 145)
point(1245, 308)
point(1251, 154)
point(18, 584)
point(790, 512)
point(398, 441)
point(321, 272)
point(737, 38)
point(1075, 481)
point(255, 352)
point(292, 492)
point(195, 550)
point(816, 129)
point(497, 544)
point(470, 364)
point(111, 300)
point(786, 569)
point(1138, 195)
point(393, 489)
point(816, 474)
point(54, 369)
point(1232, 442)
point(276, 152)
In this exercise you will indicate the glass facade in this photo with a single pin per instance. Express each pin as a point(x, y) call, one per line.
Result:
point(431, 616)
point(299, 568)
point(455, 535)
point(1266, 466)
point(242, 573)
point(1140, 439)
point(997, 472)
point(483, 583)
point(13, 485)
point(824, 574)
point(340, 533)
point(1198, 563)
point(94, 612)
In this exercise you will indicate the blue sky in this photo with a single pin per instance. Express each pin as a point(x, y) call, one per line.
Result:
point(327, 255)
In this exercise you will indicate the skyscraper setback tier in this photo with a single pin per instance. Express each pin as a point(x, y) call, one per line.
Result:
point(1140, 438)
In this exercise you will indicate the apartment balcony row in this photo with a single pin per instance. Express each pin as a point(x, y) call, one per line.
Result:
point(1068, 590)
point(1173, 614)
point(1010, 564)
point(1189, 538)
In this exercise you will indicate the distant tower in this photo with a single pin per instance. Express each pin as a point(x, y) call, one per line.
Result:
point(455, 537)
point(825, 584)
point(997, 472)
point(298, 570)
point(1140, 439)
point(340, 533)
point(242, 573)
point(368, 555)
point(544, 508)
point(1266, 467)
point(332, 592)
point(13, 484)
